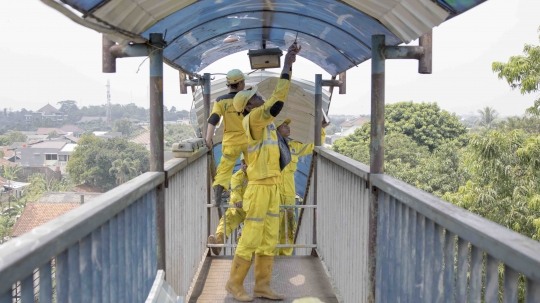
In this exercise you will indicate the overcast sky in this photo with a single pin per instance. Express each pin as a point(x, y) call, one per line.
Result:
point(46, 58)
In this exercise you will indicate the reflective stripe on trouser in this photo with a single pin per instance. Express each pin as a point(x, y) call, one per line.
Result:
point(225, 168)
point(235, 216)
point(291, 228)
point(261, 227)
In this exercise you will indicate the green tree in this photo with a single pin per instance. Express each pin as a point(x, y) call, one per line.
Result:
point(125, 126)
point(92, 160)
point(488, 117)
point(175, 133)
point(523, 72)
point(16, 137)
point(123, 169)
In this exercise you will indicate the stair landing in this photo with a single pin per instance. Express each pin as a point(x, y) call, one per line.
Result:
point(294, 276)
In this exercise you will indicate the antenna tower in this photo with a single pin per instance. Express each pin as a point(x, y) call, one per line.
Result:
point(108, 101)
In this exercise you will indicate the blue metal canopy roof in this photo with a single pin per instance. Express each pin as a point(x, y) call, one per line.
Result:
point(336, 35)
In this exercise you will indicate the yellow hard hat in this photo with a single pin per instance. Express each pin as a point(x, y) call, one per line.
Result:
point(242, 98)
point(235, 75)
point(286, 121)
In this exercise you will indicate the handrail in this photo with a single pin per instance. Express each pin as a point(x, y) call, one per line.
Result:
point(177, 164)
point(516, 250)
point(21, 255)
point(355, 167)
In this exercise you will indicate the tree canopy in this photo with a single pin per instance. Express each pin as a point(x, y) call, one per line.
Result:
point(93, 158)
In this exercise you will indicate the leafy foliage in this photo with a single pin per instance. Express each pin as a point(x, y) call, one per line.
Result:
point(174, 133)
point(523, 72)
point(125, 126)
point(488, 117)
point(92, 160)
point(425, 123)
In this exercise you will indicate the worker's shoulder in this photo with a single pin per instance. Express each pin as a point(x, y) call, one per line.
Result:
point(225, 97)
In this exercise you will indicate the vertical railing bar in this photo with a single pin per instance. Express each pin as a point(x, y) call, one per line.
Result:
point(121, 255)
point(532, 294)
point(383, 246)
point(438, 275)
point(148, 213)
point(97, 265)
point(153, 231)
point(405, 248)
point(45, 283)
point(27, 289)
point(105, 271)
point(113, 259)
point(140, 281)
point(491, 294)
point(381, 238)
point(144, 244)
point(85, 263)
point(391, 249)
point(74, 274)
point(420, 258)
point(462, 268)
point(449, 255)
point(397, 251)
point(133, 245)
point(475, 283)
point(412, 257)
point(62, 277)
point(429, 260)
point(127, 256)
point(510, 292)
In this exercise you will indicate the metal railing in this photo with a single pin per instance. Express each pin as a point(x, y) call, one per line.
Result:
point(104, 251)
point(185, 219)
point(418, 259)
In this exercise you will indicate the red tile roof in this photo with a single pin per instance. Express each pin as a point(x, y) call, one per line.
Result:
point(37, 214)
point(4, 162)
point(71, 128)
point(356, 122)
point(48, 109)
point(7, 152)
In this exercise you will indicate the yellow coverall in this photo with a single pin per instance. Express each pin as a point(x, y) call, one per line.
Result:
point(288, 192)
point(262, 196)
point(234, 139)
point(234, 216)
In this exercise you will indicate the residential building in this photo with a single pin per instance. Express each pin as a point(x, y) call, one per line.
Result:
point(348, 127)
point(47, 153)
point(46, 112)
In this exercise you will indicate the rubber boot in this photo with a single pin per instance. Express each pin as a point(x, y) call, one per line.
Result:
point(218, 192)
point(235, 284)
point(217, 239)
point(263, 275)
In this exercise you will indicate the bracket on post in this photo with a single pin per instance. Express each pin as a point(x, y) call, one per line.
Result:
point(110, 51)
point(340, 83)
point(422, 53)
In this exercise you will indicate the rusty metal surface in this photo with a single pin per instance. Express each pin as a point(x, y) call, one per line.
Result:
point(185, 220)
point(295, 277)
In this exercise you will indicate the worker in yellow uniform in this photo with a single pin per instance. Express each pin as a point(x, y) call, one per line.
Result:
point(233, 216)
point(262, 196)
point(234, 139)
point(288, 189)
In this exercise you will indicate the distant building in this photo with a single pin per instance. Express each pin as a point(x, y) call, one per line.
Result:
point(47, 153)
point(86, 119)
point(50, 206)
point(46, 112)
point(73, 130)
point(107, 135)
point(46, 131)
point(348, 127)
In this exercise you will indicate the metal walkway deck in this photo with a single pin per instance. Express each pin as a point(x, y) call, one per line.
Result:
point(295, 276)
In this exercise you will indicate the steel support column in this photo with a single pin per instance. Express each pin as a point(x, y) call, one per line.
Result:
point(317, 140)
point(156, 137)
point(210, 158)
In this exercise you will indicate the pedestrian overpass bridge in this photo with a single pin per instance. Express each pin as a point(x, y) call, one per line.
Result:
point(362, 236)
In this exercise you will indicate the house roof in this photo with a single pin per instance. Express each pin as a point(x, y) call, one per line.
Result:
point(72, 138)
point(48, 109)
point(86, 119)
point(4, 162)
point(7, 152)
point(356, 122)
point(46, 131)
point(68, 148)
point(37, 214)
point(143, 138)
point(71, 128)
point(50, 144)
point(85, 188)
point(67, 197)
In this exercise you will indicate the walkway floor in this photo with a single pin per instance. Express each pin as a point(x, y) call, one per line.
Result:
point(295, 276)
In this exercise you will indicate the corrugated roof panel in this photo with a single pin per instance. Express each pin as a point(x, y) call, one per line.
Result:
point(408, 19)
point(460, 6)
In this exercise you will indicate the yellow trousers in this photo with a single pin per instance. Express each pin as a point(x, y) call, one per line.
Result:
point(291, 225)
point(261, 226)
point(225, 168)
point(233, 216)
